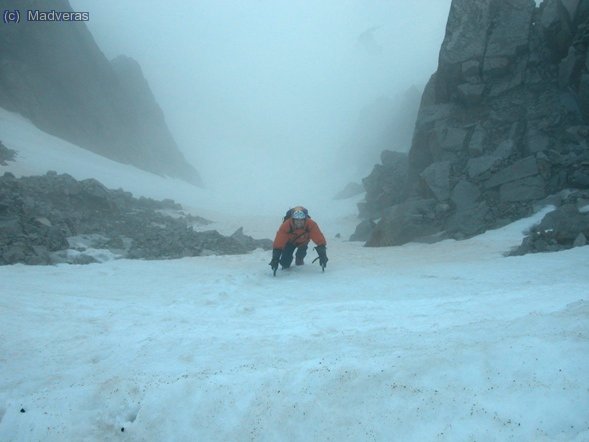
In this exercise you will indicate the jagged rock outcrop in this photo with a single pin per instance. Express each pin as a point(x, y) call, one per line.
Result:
point(54, 218)
point(386, 185)
point(503, 122)
point(54, 74)
point(561, 229)
point(363, 230)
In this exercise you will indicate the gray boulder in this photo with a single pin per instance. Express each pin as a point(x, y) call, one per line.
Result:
point(487, 163)
point(363, 231)
point(565, 224)
point(525, 189)
point(580, 240)
point(437, 179)
point(465, 195)
point(468, 221)
point(405, 222)
point(561, 229)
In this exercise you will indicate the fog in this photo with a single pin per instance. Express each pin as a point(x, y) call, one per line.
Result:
point(261, 95)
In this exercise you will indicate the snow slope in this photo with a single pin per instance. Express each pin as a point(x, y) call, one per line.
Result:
point(450, 341)
point(230, 207)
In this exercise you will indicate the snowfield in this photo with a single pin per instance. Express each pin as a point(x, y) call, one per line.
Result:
point(449, 341)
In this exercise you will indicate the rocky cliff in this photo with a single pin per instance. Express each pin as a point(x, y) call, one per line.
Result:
point(54, 74)
point(503, 124)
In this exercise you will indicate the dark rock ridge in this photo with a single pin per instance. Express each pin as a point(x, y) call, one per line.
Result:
point(54, 74)
point(55, 218)
point(503, 123)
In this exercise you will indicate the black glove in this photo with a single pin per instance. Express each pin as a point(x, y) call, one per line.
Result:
point(322, 255)
point(275, 258)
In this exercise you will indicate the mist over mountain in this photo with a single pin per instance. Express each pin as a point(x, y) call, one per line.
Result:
point(55, 75)
point(385, 123)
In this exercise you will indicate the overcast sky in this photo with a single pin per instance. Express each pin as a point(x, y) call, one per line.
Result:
point(266, 90)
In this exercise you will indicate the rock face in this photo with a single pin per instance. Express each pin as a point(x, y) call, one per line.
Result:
point(54, 74)
point(55, 218)
point(503, 123)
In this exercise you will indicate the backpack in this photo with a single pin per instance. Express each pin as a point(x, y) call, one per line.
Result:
point(290, 211)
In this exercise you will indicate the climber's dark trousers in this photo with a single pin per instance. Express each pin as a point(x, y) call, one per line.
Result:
point(287, 252)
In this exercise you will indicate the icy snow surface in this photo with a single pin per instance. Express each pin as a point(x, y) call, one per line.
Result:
point(450, 341)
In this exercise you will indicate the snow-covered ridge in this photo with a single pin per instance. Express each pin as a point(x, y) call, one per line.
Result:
point(39, 152)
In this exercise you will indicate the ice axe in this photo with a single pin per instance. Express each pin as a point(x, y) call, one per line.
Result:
point(322, 256)
point(322, 265)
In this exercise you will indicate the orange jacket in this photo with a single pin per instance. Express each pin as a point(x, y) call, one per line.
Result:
point(288, 234)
